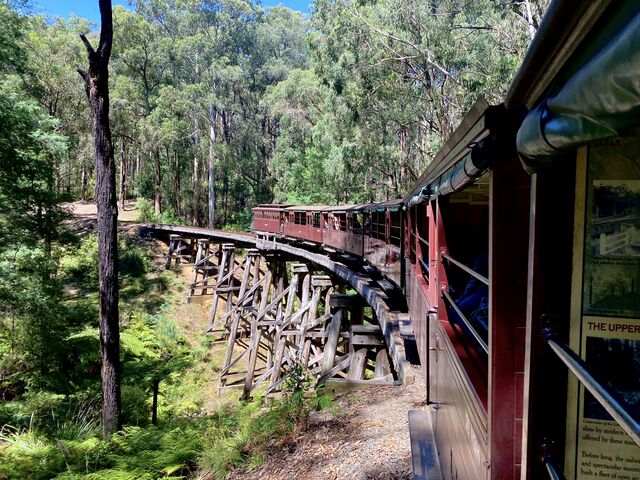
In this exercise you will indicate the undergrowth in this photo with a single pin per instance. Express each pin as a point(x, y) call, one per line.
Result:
point(51, 429)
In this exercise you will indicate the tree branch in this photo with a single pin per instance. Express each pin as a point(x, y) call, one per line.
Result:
point(87, 44)
point(82, 73)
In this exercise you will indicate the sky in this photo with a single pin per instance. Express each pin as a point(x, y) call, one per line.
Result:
point(89, 8)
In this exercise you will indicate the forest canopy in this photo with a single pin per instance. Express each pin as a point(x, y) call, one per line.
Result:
point(218, 105)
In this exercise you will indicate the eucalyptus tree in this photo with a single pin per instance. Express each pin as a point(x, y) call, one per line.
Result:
point(142, 64)
point(96, 81)
point(402, 73)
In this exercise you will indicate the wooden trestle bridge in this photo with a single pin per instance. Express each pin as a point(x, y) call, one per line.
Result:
point(277, 306)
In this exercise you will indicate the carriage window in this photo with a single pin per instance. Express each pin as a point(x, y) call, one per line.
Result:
point(342, 221)
point(300, 218)
point(466, 220)
point(421, 241)
point(356, 219)
point(377, 225)
point(395, 228)
point(316, 220)
point(465, 272)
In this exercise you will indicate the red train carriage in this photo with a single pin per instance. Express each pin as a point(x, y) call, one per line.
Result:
point(268, 218)
point(305, 223)
point(524, 283)
point(580, 143)
point(338, 231)
point(383, 238)
point(465, 290)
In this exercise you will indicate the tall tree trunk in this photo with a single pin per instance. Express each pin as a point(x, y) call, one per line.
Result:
point(195, 180)
point(225, 198)
point(123, 174)
point(532, 28)
point(212, 168)
point(84, 182)
point(195, 175)
point(154, 406)
point(96, 81)
point(138, 162)
point(157, 201)
point(177, 185)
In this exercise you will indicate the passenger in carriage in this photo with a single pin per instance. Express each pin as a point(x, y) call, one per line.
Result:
point(474, 300)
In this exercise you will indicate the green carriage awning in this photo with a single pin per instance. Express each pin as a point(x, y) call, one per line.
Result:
point(601, 100)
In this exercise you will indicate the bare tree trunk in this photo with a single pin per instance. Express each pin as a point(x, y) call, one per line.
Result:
point(154, 406)
point(177, 185)
point(138, 162)
point(157, 203)
point(123, 174)
point(83, 183)
point(195, 180)
point(532, 28)
point(212, 168)
point(97, 88)
point(225, 198)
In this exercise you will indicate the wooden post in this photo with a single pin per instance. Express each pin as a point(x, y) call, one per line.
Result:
point(333, 332)
point(280, 340)
point(223, 271)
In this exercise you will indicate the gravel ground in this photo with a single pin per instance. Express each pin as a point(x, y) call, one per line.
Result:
point(88, 209)
point(367, 439)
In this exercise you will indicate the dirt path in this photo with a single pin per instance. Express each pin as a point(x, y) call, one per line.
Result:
point(88, 209)
point(367, 439)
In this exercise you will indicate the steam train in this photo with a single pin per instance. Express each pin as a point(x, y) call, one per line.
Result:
point(518, 253)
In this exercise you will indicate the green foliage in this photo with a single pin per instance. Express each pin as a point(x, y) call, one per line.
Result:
point(240, 221)
point(148, 215)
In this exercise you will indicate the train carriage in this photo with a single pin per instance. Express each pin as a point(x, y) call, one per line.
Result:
point(269, 219)
point(383, 238)
point(339, 231)
point(305, 223)
point(466, 291)
point(536, 374)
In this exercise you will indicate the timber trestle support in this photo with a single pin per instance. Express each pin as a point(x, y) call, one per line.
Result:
point(180, 250)
point(274, 312)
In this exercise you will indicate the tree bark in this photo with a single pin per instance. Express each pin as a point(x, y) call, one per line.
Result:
point(154, 406)
point(123, 174)
point(177, 185)
point(96, 81)
point(212, 168)
point(195, 181)
point(157, 185)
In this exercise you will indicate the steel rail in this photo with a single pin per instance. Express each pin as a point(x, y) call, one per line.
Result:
point(475, 334)
point(608, 398)
point(462, 266)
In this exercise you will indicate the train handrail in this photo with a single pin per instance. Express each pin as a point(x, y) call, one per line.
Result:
point(462, 266)
point(475, 334)
point(425, 266)
point(552, 469)
point(420, 239)
point(607, 397)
